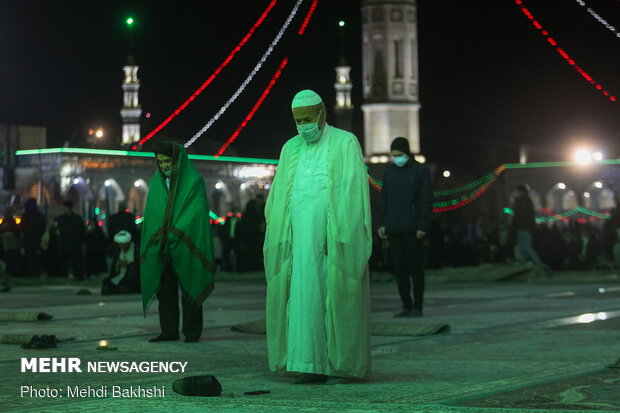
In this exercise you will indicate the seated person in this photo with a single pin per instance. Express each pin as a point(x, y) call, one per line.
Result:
point(124, 275)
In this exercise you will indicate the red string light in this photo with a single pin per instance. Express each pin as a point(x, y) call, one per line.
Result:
point(268, 89)
point(250, 115)
point(302, 29)
point(211, 78)
point(562, 53)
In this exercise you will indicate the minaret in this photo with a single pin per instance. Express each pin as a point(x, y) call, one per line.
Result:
point(343, 110)
point(390, 74)
point(131, 110)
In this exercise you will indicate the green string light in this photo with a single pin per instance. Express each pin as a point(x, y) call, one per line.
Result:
point(566, 214)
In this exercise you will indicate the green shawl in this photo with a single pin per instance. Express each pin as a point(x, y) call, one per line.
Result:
point(176, 231)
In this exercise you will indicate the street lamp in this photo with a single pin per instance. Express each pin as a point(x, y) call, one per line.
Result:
point(583, 156)
point(99, 133)
point(446, 174)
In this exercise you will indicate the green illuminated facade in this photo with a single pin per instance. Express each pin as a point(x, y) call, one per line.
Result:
point(102, 179)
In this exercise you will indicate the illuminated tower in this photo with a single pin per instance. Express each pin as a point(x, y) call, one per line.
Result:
point(131, 110)
point(390, 74)
point(344, 108)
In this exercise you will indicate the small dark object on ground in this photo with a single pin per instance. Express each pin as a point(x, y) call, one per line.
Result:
point(205, 386)
point(256, 392)
point(40, 342)
point(614, 365)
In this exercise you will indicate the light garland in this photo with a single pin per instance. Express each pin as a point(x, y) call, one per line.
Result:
point(484, 181)
point(250, 115)
point(453, 204)
point(258, 66)
point(459, 202)
point(563, 216)
point(215, 219)
point(562, 53)
point(217, 71)
point(599, 18)
point(491, 176)
point(302, 29)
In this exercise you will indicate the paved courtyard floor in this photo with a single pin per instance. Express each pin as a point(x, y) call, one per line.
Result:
point(536, 345)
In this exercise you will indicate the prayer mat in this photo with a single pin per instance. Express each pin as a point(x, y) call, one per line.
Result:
point(407, 329)
point(490, 272)
point(594, 391)
point(24, 338)
point(24, 316)
point(378, 329)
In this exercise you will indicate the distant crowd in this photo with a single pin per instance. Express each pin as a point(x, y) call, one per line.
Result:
point(561, 245)
point(68, 246)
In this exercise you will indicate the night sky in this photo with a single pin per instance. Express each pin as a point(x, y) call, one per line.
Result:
point(489, 81)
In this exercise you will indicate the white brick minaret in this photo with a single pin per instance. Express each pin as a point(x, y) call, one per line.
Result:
point(343, 110)
point(390, 74)
point(131, 110)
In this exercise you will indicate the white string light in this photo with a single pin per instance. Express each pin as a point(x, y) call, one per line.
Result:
point(599, 18)
point(250, 76)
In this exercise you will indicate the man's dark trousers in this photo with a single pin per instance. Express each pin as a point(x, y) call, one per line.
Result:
point(75, 259)
point(408, 261)
point(168, 297)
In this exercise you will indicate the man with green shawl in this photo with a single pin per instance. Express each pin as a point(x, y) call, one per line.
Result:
point(318, 241)
point(177, 248)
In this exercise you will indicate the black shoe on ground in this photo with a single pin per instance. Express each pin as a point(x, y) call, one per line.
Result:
point(415, 312)
point(44, 342)
point(32, 341)
point(306, 378)
point(192, 339)
point(404, 313)
point(162, 337)
point(331, 380)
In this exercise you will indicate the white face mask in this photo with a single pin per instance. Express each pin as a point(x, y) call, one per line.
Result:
point(401, 160)
point(310, 132)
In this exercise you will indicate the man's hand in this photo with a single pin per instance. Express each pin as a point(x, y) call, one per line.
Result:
point(420, 234)
point(382, 233)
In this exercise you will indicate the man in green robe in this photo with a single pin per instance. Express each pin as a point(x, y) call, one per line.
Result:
point(318, 241)
point(176, 248)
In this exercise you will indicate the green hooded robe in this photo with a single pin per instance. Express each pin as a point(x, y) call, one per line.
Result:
point(349, 244)
point(176, 231)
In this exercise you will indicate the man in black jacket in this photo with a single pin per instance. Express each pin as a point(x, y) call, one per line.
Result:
point(71, 237)
point(407, 209)
point(524, 224)
point(33, 227)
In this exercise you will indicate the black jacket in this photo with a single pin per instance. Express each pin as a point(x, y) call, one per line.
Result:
point(71, 232)
point(407, 198)
point(33, 226)
point(525, 216)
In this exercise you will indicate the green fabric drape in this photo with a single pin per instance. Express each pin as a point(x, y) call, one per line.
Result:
point(176, 231)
